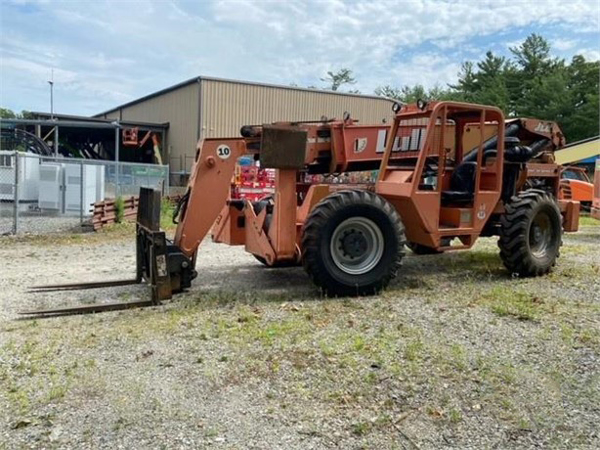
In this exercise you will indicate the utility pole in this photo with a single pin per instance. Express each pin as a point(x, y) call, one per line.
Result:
point(51, 83)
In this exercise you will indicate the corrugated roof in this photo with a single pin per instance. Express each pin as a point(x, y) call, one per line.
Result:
point(226, 80)
point(578, 151)
point(60, 118)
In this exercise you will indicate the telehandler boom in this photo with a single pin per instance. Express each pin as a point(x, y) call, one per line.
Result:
point(448, 173)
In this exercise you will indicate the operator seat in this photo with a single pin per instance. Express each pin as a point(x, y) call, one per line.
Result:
point(462, 180)
point(462, 184)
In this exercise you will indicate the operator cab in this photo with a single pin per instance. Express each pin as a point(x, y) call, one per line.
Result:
point(445, 166)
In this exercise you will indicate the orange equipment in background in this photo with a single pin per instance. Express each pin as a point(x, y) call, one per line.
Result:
point(576, 185)
point(596, 199)
point(131, 139)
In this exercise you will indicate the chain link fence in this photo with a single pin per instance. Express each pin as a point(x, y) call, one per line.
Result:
point(40, 194)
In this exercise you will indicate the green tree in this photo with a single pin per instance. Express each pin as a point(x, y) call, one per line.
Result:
point(467, 85)
point(533, 55)
point(583, 119)
point(26, 115)
point(534, 83)
point(410, 94)
point(6, 113)
point(339, 78)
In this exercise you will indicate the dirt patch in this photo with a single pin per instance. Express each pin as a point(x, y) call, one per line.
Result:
point(455, 353)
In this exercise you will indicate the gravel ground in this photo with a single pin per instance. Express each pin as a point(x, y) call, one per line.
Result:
point(40, 224)
point(455, 354)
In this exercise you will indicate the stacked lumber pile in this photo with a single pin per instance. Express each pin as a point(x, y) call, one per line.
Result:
point(104, 212)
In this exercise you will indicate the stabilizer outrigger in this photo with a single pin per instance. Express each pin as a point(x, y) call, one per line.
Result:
point(159, 263)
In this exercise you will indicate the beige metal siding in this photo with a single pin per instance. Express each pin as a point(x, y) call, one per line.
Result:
point(113, 115)
point(226, 106)
point(178, 107)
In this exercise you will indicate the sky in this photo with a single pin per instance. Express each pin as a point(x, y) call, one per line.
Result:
point(106, 53)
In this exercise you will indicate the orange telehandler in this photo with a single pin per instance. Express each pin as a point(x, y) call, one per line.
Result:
point(448, 173)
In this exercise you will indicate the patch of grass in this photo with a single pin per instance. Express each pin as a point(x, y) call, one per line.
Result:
point(588, 221)
point(119, 209)
point(487, 259)
point(512, 303)
point(358, 344)
point(361, 428)
point(524, 424)
point(167, 207)
point(459, 358)
point(413, 350)
point(455, 415)
point(211, 433)
point(575, 249)
point(58, 390)
point(29, 376)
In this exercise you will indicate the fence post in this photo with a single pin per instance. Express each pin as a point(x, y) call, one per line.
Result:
point(81, 195)
point(16, 195)
point(117, 161)
point(168, 180)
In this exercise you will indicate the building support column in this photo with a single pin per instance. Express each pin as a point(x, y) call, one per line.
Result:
point(117, 159)
point(56, 140)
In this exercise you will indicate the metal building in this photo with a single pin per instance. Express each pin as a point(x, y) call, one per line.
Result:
point(205, 107)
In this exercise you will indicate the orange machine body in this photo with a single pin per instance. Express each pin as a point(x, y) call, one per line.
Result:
point(416, 158)
point(596, 199)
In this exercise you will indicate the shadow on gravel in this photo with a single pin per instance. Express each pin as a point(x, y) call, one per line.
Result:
point(255, 282)
point(248, 280)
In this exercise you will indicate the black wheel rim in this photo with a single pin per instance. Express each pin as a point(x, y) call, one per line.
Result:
point(541, 235)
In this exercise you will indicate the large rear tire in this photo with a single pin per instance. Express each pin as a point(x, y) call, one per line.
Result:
point(530, 233)
point(352, 243)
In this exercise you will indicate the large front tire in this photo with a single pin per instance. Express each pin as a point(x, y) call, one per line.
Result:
point(352, 243)
point(530, 233)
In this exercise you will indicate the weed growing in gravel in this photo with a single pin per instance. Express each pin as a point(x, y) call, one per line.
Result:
point(455, 415)
point(413, 350)
point(513, 303)
point(361, 428)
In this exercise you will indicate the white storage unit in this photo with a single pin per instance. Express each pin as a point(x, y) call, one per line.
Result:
point(50, 186)
point(93, 186)
point(61, 187)
point(28, 176)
